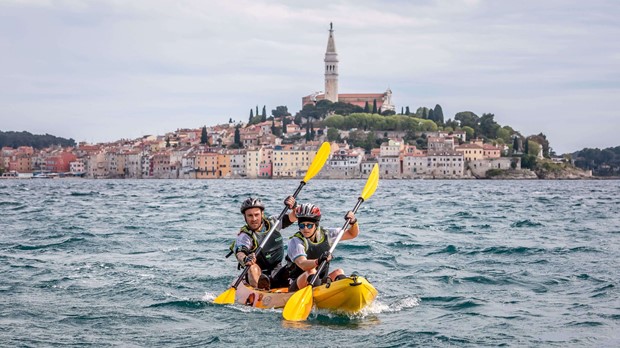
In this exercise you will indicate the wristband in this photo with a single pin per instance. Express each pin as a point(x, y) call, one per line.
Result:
point(353, 222)
point(316, 261)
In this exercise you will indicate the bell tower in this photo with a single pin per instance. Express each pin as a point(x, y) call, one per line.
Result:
point(331, 68)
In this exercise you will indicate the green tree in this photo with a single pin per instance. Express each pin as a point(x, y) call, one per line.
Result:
point(333, 134)
point(366, 107)
point(407, 112)
point(467, 118)
point(438, 114)
point(402, 112)
point(541, 140)
point(167, 141)
point(204, 138)
point(284, 124)
point(526, 148)
point(422, 112)
point(251, 116)
point(469, 132)
point(504, 134)
point(488, 126)
point(431, 115)
point(280, 111)
point(264, 114)
point(528, 161)
point(238, 136)
point(533, 147)
point(274, 130)
point(515, 144)
point(370, 142)
point(452, 124)
point(374, 106)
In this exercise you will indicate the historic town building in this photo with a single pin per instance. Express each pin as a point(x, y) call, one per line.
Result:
point(382, 100)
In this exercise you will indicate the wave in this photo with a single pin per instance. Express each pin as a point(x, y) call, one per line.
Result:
point(193, 304)
point(585, 249)
point(404, 245)
point(525, 223)
point(354, 247)
point(513, 250)
point(450, 249)
point(465, 215)
point(64, 243)
point(84, 194)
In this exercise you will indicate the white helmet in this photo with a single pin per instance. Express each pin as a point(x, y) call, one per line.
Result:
point(308, 211)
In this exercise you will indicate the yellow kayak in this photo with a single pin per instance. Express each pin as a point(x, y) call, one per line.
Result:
point(348, 295)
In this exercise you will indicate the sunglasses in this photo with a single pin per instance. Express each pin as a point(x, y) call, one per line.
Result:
point(308, 225)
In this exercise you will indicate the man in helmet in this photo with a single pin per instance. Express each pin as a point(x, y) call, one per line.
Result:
point(309, 247)
point(264, 267)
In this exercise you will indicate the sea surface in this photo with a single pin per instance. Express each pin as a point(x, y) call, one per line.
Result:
point(137, 263)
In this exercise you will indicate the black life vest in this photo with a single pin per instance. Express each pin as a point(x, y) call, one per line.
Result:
point(313, 251)
point(272, 253)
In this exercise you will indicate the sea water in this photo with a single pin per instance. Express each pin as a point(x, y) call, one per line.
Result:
point(457, 263)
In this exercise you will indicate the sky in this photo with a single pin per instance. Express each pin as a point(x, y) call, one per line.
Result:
point(100, 71)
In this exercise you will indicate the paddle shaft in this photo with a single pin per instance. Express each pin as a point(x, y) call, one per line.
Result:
point(360, 200)
point(273, 228)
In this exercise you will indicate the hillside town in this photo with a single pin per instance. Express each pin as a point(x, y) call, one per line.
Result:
point(276, 148)
point(181, 155)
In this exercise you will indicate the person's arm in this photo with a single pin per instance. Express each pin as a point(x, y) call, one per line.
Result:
point(353, 230)
point(306, 264)
point(291, 217)
point(243, 250)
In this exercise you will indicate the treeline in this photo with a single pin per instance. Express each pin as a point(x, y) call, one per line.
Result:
point(17, 139)
point(345, 116)
point(604, 162)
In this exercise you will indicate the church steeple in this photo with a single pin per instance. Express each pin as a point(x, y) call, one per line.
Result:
point(331, 68)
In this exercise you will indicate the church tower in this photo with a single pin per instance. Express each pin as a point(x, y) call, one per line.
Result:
point(331, 68)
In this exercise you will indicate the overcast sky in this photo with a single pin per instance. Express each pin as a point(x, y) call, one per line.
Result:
point(104, 70)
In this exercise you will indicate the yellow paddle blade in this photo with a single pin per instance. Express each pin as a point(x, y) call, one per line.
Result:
point(371, 183)
point(318, 161)
point(227, 297)
point(298, 307)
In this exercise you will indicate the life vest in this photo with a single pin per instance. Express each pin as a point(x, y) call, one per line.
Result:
point(313, 251)
point(272, 253)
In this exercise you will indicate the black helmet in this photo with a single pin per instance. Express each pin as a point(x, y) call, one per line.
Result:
point(252, 203)
point(308, 212)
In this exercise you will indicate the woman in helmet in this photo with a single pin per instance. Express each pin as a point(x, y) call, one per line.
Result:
point(251, 235)
point(309, 247)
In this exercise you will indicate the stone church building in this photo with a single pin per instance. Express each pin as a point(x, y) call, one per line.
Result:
point(383, 100)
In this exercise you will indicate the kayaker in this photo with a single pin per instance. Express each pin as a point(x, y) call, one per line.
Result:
point(309, 247)
point(265, 268)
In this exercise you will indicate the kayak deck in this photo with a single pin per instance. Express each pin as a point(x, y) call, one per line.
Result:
point(348, 295)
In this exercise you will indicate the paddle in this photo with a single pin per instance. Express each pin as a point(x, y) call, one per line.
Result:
point(228, 296)
point(298, 307)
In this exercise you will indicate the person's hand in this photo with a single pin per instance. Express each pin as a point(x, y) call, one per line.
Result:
point(250, 259)
point(325, 256)
point(290, 202)
point(351, 217)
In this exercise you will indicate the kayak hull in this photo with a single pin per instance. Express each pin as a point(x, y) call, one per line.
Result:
point(348, 295)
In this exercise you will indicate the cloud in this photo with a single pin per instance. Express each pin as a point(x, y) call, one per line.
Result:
point(104, 70)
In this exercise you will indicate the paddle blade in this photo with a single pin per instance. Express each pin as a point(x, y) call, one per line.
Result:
point(227, 297)
point(319, 160)
point(298, 307)
point(371, 183)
